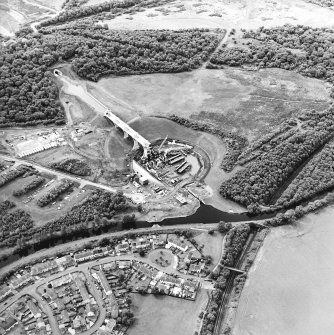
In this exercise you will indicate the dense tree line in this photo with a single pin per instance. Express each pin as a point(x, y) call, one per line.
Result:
point(92, 215)
point(98, 52)
point(98, 207)
point(74, 166)
point(235, 241)
point(5, 206)
point(74, 10)
point(299, 211)
point(13, 223)
point(323, 3)
point(271, 138)
point(52, 194)
point(261, 178)
point(2, 166)
point(13, 174)
point(235, 144)
point(316, 177)
point(304, 49)
point(16, 222)
point(32, 185)
point(28, 94)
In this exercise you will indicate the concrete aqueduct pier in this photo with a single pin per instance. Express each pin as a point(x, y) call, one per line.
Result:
point(129, 132)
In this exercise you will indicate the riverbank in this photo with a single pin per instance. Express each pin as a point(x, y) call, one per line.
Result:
point(289, 289)
point(75, 245)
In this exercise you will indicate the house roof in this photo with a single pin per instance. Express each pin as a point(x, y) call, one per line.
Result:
point(190, 283)
point(84, 254)
point(4, 290)
point(104, 282)
point(19, 281)
point(43, 267)
point(8, 322)
point(33, 308)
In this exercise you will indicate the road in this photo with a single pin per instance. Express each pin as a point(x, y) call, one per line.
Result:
point(224, 39)
point(82, 182)
point(48, 311)
point(74, 245)
point(32, 289)
point(85, 182)
point(97, 294)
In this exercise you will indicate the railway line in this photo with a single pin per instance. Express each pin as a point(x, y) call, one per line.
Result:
point(229, 285)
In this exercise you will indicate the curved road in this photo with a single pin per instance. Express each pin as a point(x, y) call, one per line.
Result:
point(97, 294)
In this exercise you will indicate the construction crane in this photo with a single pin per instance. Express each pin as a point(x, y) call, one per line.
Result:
point(163, 142)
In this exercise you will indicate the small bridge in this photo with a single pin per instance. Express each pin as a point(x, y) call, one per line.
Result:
point(255, 224)
point(128, 131)
point(234, 270)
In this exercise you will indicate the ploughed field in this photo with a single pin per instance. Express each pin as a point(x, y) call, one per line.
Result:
point(290, 289)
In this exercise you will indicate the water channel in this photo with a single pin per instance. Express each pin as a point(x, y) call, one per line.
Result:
point(204, 214)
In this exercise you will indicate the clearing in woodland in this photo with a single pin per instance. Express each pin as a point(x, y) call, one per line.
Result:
point(235, 99)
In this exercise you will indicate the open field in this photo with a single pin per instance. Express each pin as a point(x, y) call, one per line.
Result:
point(226, 14)
point(290, 289)
point(163, 257)
point(212, 245)
point(165, 315)
point(236, 99)
point(47, 157)
point(15, 13)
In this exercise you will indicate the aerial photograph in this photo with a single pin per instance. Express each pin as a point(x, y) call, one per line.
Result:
point(167, 167)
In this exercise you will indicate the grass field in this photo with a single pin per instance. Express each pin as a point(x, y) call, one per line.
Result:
point(15, 13)
point(212, 245)
point(162, 257)
point(235, 99)
point(166, 315)
point(290, 289)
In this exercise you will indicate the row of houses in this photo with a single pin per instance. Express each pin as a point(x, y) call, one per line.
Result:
point(138, 272)
point(74, 307)
point(26, 314)
point(179, 245)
